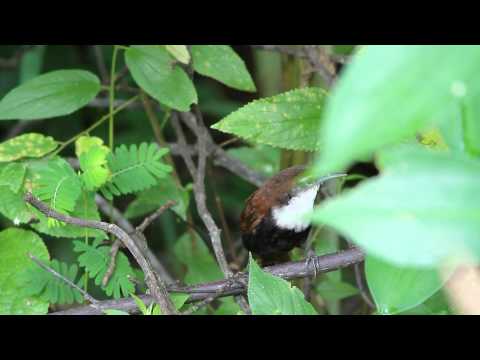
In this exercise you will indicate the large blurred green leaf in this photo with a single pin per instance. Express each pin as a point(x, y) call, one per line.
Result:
point(271, 295)
point(437, 304)
point(423, 209)
point(222, 63)
point(15, 245)
point(290, 120)
point(154, 70)
point(387, 93)
point(49, 95)
point(396, 289)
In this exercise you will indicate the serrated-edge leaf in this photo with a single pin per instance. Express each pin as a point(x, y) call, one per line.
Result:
point(262, 122)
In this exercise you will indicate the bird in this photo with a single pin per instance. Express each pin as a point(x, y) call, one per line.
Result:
point(272, 222)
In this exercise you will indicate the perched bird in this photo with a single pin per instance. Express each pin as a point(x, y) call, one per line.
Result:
point(271, 222)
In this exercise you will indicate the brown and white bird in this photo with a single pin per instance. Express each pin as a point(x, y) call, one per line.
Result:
point(272, 222)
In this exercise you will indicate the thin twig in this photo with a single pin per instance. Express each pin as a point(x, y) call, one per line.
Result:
point(151, 218)
point(119, 219)
point(288, 271)
point(155, 284)
point(221, 158)
point(86, 295)
point(361, 287)
point(198, 176)
point(113, 259)
point(102, 68)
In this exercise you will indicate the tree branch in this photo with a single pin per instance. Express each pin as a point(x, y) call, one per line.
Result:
point(119, 219)
point(154, 283)
point(287, 271)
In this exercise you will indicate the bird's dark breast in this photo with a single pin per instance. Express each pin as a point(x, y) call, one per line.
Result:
point(270, 241)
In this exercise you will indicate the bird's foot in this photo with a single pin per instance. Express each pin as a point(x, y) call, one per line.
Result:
point(312, 260)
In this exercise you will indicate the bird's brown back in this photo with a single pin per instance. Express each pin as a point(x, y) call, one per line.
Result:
point(272, 192)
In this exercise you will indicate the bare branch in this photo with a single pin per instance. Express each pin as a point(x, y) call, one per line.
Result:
point(151, 218)
point(113, 259)
point(119, 219)
point(288, 271)
point(154, 283)
point(198, 176)
point(321, 62)
point(100, 63)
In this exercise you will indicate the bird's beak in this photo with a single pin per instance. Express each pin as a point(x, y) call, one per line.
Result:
point(308, 181)
point(325, 178)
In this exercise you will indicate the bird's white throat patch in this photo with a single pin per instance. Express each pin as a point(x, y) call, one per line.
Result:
point(291, 215)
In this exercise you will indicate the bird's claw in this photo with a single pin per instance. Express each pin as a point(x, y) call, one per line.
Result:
point(312, 260)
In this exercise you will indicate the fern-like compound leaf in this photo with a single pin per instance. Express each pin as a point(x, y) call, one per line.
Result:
point(134, 169)
point(52, 289)
point(96, 259)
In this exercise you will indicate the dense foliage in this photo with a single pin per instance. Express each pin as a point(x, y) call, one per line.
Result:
point(90, 132)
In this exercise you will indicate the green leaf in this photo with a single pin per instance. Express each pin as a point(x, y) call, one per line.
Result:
point(141, 305)
point(28, 145)
point(56, 93)
point(334, 290)
point(262, 158)
point(153, 69)
point(200, 263)
point(55, 183)
point(437, 304)
point(12, 175)
point(408, 88)
point(52, 289)
point(13, 207)
point(395, 289)
point(151, 199)
point(134, 169)
point(94, 166)
point(96, 260)
point(179, 299)
point(85, 143)
point(179, 52)
point(221, 63)
point(15, 245)
point(470, 111)
point(290, 120)
point(228, 306)
point(271, 295)
point(422, 210)
point(115, 312)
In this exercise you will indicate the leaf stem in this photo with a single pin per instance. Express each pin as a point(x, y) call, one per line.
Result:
point(111, 96)
point(95, 125)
